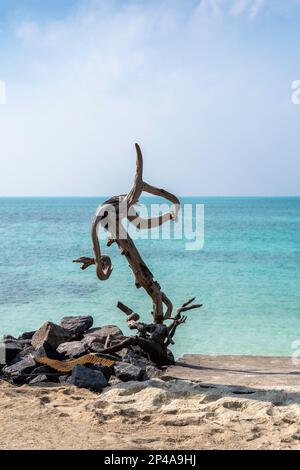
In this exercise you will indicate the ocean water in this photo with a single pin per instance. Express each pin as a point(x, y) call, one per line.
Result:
point(247, 275)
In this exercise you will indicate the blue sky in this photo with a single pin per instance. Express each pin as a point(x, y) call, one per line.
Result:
point(203, 85)
point(37, 8)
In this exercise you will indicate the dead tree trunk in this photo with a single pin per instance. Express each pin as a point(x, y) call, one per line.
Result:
point(119, 208)
point(153, 338)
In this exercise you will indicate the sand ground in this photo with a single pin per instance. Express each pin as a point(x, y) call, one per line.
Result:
point(176, 414)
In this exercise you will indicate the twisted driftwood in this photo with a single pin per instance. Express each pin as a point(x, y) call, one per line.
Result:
point(110, 215)
point(153, 338)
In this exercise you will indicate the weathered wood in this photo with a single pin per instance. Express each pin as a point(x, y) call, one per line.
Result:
point(122, 208)
point(153, 338)
point(179, 319)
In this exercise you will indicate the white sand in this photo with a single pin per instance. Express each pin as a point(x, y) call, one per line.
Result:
point(150, 415)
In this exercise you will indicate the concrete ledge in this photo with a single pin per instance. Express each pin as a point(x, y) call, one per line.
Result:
point(245, 371)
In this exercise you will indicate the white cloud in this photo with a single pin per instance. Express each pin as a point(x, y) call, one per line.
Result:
point(256, 8)
point(27, 30)
point(238, 7)
point(251, 8)
point(210, 8)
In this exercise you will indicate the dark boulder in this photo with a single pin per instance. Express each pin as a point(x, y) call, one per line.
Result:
point(106, 370)
point(85, 377)
point(51, 335)
point(72, 349)
point(24, 342)
point(9, 349)
point(132, 357)
point(22, 354)
point(27, 335)
point(51, 374)
point(47, 351)
point(8, 338)
point(102, 333)
point(93, 344)
point(170, 357)
point(77, 325)
point(127, 372)
point(44, 369)
point(19, 371)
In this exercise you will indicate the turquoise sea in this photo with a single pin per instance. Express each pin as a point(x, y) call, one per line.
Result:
point(247, 275)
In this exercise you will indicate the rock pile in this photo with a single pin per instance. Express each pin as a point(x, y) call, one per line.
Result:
point(73, 338)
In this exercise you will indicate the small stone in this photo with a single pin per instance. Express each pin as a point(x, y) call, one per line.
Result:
point(39, 379)
point(127, 372)
point(50, 334)
point(114, 381)
point(85, 377)
point(152, 372)
point(77, 325)
point(63, 379)
point(8, 350)
point(72, 349)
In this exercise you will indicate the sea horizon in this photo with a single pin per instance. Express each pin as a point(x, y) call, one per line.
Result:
point(152, 197)
point(246, 275)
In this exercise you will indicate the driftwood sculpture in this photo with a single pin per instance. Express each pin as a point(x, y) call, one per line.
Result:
point(155, 337)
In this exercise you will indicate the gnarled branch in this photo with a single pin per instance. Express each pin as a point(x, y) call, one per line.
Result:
point(122, 206)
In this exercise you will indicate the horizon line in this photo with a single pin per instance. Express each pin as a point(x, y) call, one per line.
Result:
point(150, 197)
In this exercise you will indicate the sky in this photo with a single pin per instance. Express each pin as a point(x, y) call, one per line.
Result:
point(204, 86)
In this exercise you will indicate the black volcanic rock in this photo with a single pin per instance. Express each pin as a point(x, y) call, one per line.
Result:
point(127, 372)
point(77, 325)
point(93, 344)
point(107, 371)
point(132, 357)
point(19, 371)
point(85, 377)
point(51, 374)
point(27, 335)
point(9, 349)
point(51, 335)
point(47, 351)
point(72, 349)
point(21, 355)
point(103, 332)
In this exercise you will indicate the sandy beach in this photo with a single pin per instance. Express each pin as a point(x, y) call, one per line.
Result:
point(157, 414)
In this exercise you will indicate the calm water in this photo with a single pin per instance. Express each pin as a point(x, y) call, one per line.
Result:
point(247, 275)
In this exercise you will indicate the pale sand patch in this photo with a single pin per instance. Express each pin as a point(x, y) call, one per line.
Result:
point(150, 415)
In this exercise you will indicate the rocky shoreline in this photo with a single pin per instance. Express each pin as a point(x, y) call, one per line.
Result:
point(73, 338)
point(230, 403)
